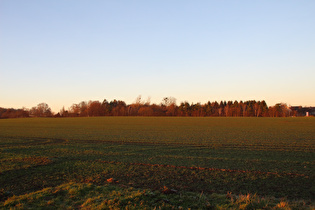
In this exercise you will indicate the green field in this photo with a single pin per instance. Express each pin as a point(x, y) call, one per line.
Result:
point(206, 162)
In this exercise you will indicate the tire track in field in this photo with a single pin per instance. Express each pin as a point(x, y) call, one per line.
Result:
point(213, 145)
point(31, 141)
point(205, 169)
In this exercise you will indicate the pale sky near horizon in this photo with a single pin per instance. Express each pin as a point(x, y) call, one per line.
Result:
point(65, 52)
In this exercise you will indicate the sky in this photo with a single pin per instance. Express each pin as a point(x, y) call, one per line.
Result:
point(64, 52)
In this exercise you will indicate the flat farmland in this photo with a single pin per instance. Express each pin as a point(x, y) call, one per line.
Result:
point(265, 157)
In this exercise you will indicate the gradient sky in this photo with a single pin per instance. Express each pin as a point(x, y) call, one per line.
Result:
point(64, 52)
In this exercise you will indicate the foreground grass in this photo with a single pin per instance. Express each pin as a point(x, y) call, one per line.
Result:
point(271, 161)
point(113, 196)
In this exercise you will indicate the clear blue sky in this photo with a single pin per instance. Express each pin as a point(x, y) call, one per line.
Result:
point(63, 52)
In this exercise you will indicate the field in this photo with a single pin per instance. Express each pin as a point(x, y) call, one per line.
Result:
point(166, 162)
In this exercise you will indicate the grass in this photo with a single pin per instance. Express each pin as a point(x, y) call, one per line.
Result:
point(228, 132)
point(263, 158)
point(109, 196)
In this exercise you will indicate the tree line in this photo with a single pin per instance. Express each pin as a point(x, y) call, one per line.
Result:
point(167, 107)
